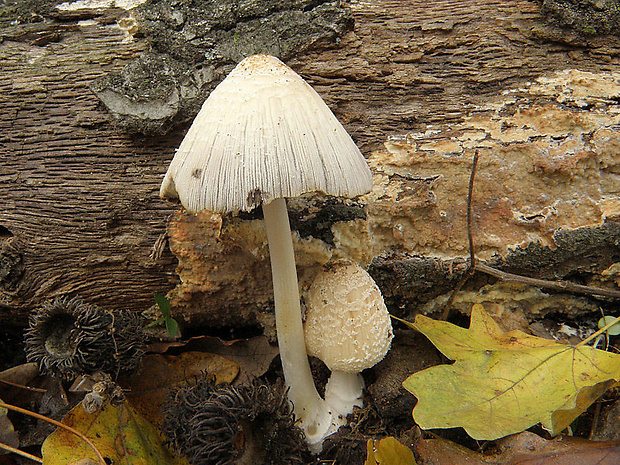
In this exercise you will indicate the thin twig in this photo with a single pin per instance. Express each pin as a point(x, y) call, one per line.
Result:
point(474, 265)
point(21, 386)
point(606, 333)
point(470, 193)
point(556, 285)
point(472, 250)
point(600, 331)
point(59, 425)
point(34, 458)
point(595, 419)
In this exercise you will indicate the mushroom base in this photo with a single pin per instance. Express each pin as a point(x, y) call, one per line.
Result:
point(343, 392)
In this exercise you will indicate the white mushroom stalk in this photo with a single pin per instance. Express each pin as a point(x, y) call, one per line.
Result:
point(343, 392)
point(313, 414)
point(264, 135)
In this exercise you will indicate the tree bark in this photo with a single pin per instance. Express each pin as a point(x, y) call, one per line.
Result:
point(80, 211)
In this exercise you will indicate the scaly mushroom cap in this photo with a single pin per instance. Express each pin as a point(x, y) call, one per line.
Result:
point(347, 323)
point(263, 134)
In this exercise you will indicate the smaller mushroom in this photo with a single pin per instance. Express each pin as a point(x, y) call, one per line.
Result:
point(348, 327)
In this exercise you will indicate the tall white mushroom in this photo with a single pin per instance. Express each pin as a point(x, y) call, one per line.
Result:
point(263, 135)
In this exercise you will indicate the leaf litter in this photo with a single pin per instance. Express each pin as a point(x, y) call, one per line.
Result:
point(120, 434)
point(525, 448)
point(388, 451)
point(150, 387)
point(253, 355)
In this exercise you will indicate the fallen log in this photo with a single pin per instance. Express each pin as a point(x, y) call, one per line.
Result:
point(419, 87)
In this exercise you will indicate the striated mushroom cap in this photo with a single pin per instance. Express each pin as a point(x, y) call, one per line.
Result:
point(263, 134)
point(347, 323)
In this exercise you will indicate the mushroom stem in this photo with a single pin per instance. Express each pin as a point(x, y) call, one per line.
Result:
point(343, 392)
point(309, 408)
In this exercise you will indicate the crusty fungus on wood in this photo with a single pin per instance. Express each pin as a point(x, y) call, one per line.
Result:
point(264, 135)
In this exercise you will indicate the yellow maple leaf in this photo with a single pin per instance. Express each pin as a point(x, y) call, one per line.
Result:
point(503, 383)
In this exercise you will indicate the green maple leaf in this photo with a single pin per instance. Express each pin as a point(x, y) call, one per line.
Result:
point(503, 383)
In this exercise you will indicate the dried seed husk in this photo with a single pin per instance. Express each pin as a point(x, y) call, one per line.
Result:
point(228, 425)
point(68, 337)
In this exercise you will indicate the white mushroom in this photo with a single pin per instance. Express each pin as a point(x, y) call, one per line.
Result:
point(262, 135)
point(348, 327)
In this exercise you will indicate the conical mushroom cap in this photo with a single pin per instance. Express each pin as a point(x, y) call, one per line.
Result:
point(263, 134)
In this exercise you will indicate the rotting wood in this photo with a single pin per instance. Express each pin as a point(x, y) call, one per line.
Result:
point(79, 199)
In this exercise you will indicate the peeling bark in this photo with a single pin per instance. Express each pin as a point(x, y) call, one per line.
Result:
point(80, 212)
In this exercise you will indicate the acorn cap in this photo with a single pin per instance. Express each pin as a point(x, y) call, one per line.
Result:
point(347, 323)
point(263, 134)
point(68, 337)
point(226, 424)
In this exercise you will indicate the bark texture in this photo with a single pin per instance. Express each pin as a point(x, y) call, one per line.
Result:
point(79, 205)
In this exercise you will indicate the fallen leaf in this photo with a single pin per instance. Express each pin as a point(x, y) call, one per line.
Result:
point(388, 451)
point(8, 435)
point(20, 374)
point(530, 449)
point(521, 449)
point(503, 383)
point(253, 355)
point(14, 377)
point(439, 451)
point(149, 388)
point(613, 330)
point(120, 434)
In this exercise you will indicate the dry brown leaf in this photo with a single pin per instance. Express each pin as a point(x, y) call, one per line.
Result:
point(149, 388)
point(20, 374)
point(253, 355)
point(529, 449)
point(521, 449)
point(439, 451)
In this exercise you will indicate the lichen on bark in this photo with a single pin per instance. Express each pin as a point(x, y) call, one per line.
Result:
point(588, 17)
point(194, 44)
